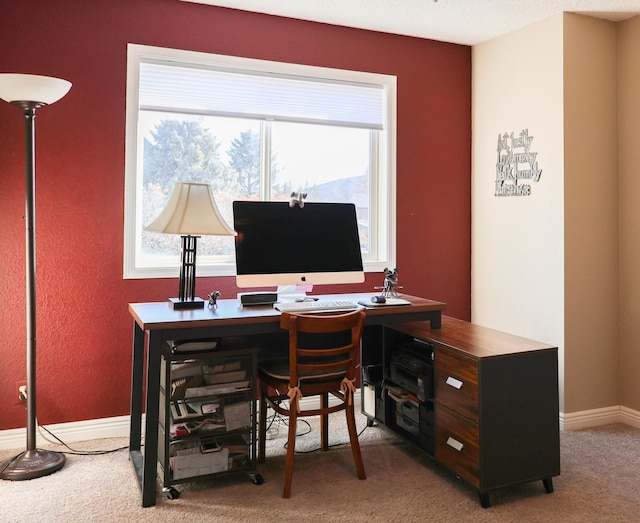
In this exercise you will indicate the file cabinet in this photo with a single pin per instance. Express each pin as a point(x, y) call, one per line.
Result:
point(495, 399)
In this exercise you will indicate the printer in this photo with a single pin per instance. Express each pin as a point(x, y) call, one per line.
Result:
point(411, 367)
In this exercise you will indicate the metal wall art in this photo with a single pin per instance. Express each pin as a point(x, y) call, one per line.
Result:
point(516, 162)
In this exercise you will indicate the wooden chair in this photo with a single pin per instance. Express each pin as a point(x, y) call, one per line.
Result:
point(323, 355)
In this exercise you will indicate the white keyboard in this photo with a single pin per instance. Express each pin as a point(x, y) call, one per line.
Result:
point(311, 305)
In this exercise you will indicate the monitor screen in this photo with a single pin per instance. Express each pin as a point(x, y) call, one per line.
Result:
point(282, 245)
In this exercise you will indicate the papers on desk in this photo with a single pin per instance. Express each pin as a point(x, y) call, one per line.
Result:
point(186, 369)
point(183, 410)
point(388, 303)
point(216, 389)
point(397, 393)
point(237, 415)
point(219, 379)
point(228, 372)
point(190, 461)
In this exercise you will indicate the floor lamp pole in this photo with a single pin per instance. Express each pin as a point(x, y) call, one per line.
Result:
point(30, 241)
point(33, 462)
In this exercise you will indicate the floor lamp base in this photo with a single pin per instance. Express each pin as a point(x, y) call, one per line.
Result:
point(31, 464)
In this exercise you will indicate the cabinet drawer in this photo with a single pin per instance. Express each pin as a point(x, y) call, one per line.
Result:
point(457, 444)
point(456, 382)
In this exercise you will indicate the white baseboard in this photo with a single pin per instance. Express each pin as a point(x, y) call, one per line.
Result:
point(118, 427)
point(603, 416)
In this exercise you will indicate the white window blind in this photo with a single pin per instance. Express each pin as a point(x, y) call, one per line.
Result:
point(260, 95)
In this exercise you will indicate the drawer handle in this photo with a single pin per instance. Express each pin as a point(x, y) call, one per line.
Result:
point(457, 384)
point(455, 444)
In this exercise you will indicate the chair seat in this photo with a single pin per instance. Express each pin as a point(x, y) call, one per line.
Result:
point(279, 369)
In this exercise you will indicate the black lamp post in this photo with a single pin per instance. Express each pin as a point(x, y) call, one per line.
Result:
point(191, 211)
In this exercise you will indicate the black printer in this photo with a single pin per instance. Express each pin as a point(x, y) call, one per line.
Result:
point(411, 367)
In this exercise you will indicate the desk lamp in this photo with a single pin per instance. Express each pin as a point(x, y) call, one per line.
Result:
point(191, 212)
point(30, 92)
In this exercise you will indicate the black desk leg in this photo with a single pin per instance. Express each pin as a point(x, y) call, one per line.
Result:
point(137, 378)
point(151, 421)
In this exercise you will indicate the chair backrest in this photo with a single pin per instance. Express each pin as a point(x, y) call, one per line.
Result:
point(323, 346)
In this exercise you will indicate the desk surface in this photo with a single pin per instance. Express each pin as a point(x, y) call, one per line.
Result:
point(161, 322)
point(160, 315)
point(473, 340)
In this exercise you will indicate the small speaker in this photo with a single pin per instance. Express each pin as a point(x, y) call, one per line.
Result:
point(257, 298)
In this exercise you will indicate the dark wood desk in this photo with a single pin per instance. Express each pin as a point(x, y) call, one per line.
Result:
point(155, 323)
point(492, 416)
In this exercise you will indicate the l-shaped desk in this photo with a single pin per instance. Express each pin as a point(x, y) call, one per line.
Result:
point(493, 414)
point(155, 323)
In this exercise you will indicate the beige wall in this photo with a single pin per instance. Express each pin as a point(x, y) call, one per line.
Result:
point(545, 266)
point(629, 190)
point(591, 213)
point(517, 241)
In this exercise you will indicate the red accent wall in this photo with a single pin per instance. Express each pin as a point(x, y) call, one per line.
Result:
point(84, 329)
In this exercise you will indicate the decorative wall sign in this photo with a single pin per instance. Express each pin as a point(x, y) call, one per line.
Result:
point(515, 162)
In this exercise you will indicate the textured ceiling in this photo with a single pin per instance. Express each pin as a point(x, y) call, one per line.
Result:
point(466, 22)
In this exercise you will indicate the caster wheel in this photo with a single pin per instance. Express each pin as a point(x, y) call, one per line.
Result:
point(172, 493)
point(257, 478)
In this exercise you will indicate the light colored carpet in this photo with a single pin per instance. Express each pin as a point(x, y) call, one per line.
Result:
point(599, 482)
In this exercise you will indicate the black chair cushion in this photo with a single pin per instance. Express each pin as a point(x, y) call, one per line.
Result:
point(279, 369)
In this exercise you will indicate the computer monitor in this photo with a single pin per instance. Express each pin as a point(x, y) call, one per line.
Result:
point(281, 245)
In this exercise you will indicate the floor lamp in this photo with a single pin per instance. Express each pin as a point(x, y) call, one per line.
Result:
point(29, 92)
point(191, 211)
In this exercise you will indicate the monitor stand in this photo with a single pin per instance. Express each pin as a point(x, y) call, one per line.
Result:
point(291, 293)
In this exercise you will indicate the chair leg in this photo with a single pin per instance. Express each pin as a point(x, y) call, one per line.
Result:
point(262, 423)
point(291, 448)
point(324, 422)
point(353, 438)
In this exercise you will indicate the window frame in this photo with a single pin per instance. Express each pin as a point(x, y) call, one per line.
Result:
point(382, 204)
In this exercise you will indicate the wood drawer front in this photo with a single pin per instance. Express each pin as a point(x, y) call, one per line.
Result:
point(457, 444)
point(456, 383)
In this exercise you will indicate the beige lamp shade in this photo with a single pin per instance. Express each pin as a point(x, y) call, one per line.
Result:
point(191, 210)
point(32, 88)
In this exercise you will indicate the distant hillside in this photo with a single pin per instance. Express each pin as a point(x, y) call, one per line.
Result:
point(353, 189)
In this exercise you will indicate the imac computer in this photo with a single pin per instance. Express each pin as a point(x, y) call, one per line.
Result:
point(280, 245)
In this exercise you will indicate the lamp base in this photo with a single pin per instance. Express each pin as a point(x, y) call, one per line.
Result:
point(179, 305)
point(31, 464)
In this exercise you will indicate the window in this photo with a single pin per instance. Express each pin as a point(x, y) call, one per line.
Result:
point(253, 130)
